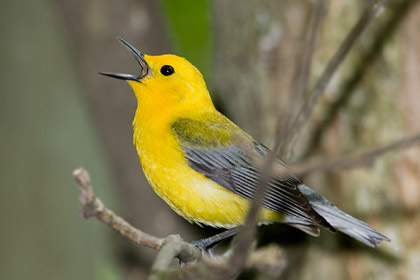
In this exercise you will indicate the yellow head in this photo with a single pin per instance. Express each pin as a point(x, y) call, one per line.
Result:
point(167, 83)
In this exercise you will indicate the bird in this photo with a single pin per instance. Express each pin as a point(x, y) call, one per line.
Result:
point(203, 165)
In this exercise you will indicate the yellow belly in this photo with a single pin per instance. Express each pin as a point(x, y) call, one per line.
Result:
point(197, 198)
point(189, 193)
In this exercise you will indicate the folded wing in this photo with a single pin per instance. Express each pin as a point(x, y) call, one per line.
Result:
point(217, 151)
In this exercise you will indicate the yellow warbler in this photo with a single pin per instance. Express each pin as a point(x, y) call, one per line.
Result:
point(199, 162)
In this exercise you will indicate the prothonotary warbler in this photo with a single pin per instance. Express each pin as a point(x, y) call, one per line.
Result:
point(201, 164)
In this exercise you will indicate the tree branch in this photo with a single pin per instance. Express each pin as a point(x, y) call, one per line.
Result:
point(173, 247)
point(94, 207)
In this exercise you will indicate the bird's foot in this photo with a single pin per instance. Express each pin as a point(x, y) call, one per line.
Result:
point(207, 245)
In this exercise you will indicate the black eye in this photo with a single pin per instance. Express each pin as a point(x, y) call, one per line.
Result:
point(167, 70)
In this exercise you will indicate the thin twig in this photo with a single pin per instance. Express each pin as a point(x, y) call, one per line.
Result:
point(300, 80)
point(241, 251)
point(379, 39)
point(93, 206)
point(240, 254)
point(347, 161)
point(245, 240)
point(302, 117)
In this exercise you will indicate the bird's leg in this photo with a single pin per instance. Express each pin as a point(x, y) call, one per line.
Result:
point(207, 244)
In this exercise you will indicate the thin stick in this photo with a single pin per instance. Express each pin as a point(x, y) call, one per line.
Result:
point(243, 245)
point(302, 117)
point(300, 81)
point(379, 39)
point(93, 206)
point(347, 161)
point(240, 254)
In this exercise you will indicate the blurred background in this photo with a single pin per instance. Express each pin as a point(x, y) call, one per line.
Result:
point(57, 113)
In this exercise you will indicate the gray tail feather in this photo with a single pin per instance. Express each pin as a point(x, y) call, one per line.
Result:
point(342, 221)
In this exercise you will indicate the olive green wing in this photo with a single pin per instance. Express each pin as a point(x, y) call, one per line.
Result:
point(215, 149)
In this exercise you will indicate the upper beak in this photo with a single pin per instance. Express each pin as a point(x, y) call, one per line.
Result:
point(145, 69)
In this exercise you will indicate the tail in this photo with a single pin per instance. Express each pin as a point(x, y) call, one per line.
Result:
point(342, 221)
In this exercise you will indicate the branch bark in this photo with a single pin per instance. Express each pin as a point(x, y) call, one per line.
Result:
point(94, 207)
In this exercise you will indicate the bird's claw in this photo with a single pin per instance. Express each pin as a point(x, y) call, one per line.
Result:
point(206, 247)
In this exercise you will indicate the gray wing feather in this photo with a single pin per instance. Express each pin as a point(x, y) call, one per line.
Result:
point(231, 168)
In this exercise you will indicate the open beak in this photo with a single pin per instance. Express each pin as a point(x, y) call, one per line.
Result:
point(145, 70)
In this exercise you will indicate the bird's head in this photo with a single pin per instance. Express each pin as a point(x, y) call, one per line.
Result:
point(166, 82)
